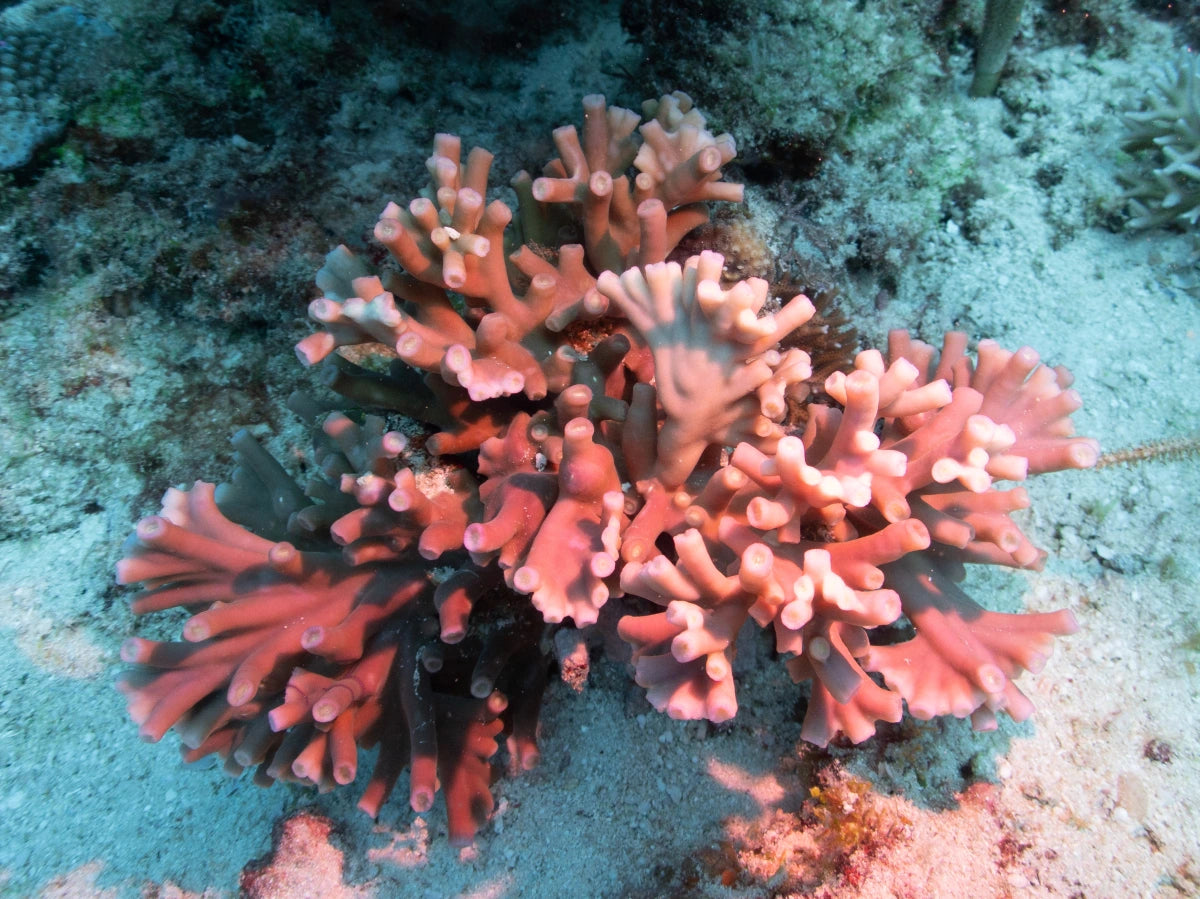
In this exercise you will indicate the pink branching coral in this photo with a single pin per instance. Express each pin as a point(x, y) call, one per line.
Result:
point(605, 422)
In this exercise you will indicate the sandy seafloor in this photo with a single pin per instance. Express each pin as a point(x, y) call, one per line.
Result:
point(117, 380)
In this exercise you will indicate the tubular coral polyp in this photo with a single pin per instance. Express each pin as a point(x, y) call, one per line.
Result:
point(608, 424)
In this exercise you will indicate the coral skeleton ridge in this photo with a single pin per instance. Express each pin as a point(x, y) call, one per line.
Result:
point(602, 423)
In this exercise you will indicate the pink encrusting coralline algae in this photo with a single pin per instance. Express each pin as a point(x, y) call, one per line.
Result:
point(601, 423)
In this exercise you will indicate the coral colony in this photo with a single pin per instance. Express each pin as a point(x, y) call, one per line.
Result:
point(1167, 129)
point(600, 421)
